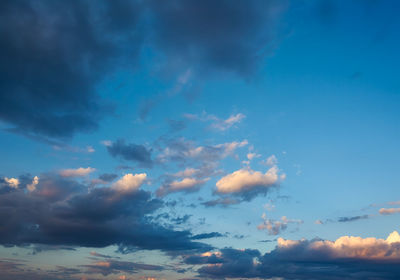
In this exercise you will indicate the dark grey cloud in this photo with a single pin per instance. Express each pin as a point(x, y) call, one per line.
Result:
point(352, 219)
point(62, 212)
point(53, 54)
point(131, 152)
point(107, 177)
point(107, 267)
point(216, 35)
point(207, 235)
point(221, 202)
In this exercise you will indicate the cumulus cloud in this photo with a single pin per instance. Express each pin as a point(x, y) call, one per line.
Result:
point(12, 182)
point(389, 211)
point(347, 257)
point(248, 183)
point(32, 186)
point(184, 185)
point(275, 227)
point(129, 182)
point(131, 152)
point(79, 172)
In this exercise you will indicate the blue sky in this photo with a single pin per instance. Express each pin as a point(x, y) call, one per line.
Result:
point(199, 140)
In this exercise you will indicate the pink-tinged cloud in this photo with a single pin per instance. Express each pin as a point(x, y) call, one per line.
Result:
point(79, 172)
point(389, 211)
point(352, 247)
point(183, 185)
point(247, 179)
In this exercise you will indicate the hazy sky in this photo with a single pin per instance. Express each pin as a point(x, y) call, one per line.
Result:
point(199, 139)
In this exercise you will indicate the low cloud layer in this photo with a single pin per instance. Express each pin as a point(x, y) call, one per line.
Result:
point(60, 211)
point(346, 258)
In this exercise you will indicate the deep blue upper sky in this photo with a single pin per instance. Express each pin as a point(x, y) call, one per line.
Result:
point(199, 139)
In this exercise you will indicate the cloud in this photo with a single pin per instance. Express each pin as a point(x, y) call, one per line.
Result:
point(32, 186)
point(204, 34)
point(347, 257)
point(222, 202)
point(352, 219)
point(184, 185)
point(248, 183)
point(106, 267)
point(389, 211)
point(54, 54)
point(131, 152)
point(12, 182)
point(184, 151)
point(79, 172)
point(207, 235)
point(275, 227)
point(64, 212)
point(217, 123)
point(129, 182)
point(271, 161)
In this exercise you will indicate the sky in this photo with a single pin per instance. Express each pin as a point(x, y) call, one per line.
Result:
point(183, 140)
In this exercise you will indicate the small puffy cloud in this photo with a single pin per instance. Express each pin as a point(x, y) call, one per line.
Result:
point(79, 172)
point(269, 206)
point(248, 183)
point(32, 186)
point(389, 211)
point(275, 227)
point(184, 185)
point(12, 182)
point(90, 149)
point(271, 161)
point(251, 156)
point(129, 182)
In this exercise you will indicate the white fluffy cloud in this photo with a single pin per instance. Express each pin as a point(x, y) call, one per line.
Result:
point(349, 247)
point(79, 172)
point(247, 179)
point(32, 186)
point(129, 182)
point(12, 182)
